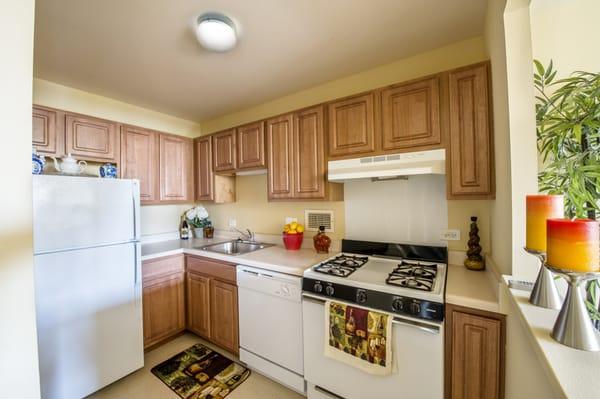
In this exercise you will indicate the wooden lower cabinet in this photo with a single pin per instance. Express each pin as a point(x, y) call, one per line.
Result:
point(164, 308)
point(475, 347)
point(198, 304)
point(224, 315)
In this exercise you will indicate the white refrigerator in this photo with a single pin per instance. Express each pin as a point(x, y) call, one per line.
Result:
point(87, 282)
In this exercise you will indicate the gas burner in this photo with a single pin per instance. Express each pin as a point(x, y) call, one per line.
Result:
point(413, 275)
point(341, 265)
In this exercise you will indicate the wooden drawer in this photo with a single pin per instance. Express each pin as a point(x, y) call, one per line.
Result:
point(219, 270)
point(158, 267)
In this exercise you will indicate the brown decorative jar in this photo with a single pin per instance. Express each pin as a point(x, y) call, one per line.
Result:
point(321, 241)
point(208, 231)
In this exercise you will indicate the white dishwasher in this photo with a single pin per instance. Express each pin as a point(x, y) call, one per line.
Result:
point(270, 317)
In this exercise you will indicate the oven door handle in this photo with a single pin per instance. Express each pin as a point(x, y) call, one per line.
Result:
point(430, 328)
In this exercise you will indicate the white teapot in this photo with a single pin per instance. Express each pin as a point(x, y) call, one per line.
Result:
point(69, 165)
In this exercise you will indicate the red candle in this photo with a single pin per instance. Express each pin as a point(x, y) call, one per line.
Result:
point(539, 209)
point(574, 244)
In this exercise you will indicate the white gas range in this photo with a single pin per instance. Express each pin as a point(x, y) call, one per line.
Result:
point(405, 281)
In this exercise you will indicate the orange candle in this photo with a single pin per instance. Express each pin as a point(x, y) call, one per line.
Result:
point(574, 244)
point(539, 209)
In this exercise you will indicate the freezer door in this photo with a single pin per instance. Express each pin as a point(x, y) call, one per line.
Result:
point(77, 212)
point(89, 318)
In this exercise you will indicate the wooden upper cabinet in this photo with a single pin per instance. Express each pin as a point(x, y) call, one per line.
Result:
point(203, 166)
point(139, 160)
point(280, 160)
point(224, 315)
point(251, 146)
point(309, 154)
point(352, 125)
point(176, 170)
point(410, 115)
point(224, 151)
point(471, 146)
point(476, 348)
point(47, 137)
point(91, 138)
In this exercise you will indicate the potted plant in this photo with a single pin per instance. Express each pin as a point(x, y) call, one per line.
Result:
point(568, 138)
point(197, 218)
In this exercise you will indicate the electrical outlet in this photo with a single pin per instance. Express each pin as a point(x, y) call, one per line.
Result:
point(450, 235)
point(289, 219)
point(232, 223)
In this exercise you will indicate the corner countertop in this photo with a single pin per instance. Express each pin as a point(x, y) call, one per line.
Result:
point(275, 258)
point(473, 289)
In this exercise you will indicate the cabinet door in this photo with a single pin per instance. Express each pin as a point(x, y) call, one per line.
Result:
point(224, 151)
point(476, 356)
point(309, 154)
point(139, 160)
point(352, 126)
point(164, 308)
point(47, 139)
point(251, 146)
point(204, 173)
point(91, 138)
point(280, 161)
point(411, 115)
point(471, 153)
point(224, 315)
point(198, 304)
point(176, 173)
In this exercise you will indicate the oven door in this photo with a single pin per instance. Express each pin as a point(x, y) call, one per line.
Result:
point(417, 355)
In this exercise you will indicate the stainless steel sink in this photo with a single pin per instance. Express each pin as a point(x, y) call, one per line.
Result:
point(235, 247)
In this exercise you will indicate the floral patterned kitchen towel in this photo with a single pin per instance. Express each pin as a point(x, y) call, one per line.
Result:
point(359, 337)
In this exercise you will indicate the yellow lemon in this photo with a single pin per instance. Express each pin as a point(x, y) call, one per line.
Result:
point(286, 227)
point(292, 232)
point(300, 228)
point(293, 225)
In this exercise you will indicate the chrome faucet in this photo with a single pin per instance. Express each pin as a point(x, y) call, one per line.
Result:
point(247, 235)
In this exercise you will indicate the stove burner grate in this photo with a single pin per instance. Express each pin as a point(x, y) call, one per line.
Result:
point(413, 275)
point(342, 265)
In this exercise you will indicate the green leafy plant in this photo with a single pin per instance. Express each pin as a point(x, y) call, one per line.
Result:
point(568, 138)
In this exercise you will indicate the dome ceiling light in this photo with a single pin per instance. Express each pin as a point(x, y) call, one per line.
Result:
point(216, 32)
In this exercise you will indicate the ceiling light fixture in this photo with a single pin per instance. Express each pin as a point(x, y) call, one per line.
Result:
point(216, 32)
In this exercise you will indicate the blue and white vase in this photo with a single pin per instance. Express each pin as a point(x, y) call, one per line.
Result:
point(108, 171)
point(37, 162)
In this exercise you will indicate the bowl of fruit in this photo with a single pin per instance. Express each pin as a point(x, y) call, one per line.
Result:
point(293, 234)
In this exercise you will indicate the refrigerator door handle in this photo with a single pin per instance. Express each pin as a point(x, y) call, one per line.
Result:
point(136, 209)
point(137, 281)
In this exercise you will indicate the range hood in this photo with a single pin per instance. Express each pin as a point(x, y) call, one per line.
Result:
point(388, 166)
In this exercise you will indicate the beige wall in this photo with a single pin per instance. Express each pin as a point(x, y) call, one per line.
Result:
point(564, 31)
point(55, 95)
point(19, 376)
point(252, 209)
point(452, 56)
point(155, 219)
point(501, 208)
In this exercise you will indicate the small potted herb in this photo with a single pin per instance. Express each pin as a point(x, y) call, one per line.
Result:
point(197, 218)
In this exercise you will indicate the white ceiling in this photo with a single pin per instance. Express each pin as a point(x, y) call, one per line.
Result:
point(144, 52)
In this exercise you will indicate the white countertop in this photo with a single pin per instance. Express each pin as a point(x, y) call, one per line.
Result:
point(275, 258)
point(472, 289)
point(575, 372)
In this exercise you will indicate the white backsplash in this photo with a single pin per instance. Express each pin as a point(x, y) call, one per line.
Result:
point(409, 211)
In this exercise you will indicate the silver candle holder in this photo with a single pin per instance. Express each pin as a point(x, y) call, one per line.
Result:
point(544, 292)
point(574, 327)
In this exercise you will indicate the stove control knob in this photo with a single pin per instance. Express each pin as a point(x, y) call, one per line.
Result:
point(398, 305)
point(329, 290)
point(415, 308)
point(361, 296)
point(317, 288)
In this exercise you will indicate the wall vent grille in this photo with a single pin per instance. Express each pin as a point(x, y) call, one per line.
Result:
point(315, 218)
